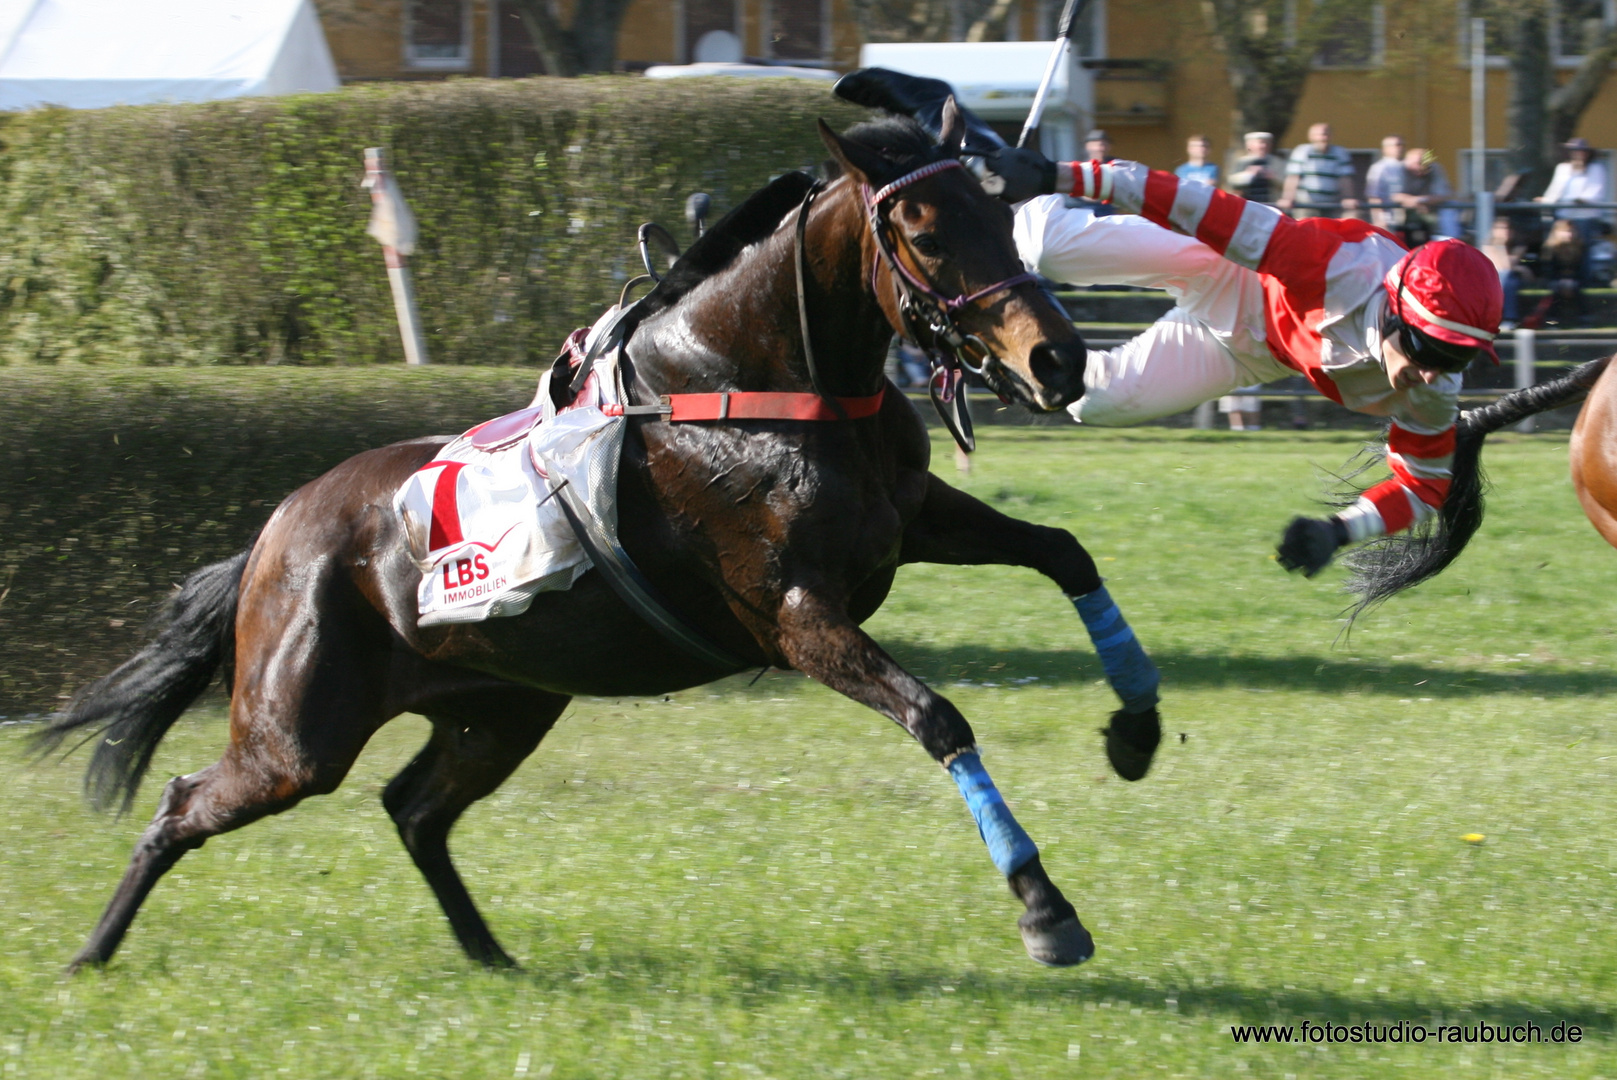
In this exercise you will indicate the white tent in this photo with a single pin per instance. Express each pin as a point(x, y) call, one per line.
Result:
point(87, 54)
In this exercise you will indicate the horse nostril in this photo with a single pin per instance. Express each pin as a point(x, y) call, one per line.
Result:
point(1055, 365)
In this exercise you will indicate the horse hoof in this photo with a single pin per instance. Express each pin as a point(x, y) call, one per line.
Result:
point(1062, 945)
point(1131, 742)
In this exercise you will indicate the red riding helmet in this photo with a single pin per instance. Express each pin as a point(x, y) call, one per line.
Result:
point(1447, 295)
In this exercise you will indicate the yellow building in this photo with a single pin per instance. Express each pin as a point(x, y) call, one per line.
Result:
point(1159, 76)
point(426, 39)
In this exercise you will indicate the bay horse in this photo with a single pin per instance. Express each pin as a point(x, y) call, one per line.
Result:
point(774, 538)
point(1392, 564)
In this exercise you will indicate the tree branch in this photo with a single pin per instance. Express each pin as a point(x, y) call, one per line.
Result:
point(556, 48)
point(1568, 101)
point(995, 14)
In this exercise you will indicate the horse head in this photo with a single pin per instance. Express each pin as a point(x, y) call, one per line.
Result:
point(942, 262)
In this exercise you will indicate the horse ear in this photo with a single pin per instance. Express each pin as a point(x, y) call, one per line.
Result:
point(861, 163)
point(954, 127)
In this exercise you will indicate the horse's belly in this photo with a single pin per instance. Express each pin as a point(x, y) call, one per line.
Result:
point(582, 641)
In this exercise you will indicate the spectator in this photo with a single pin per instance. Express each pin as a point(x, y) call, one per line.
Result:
point(1426, 186)
point(1579, 179)
point(1321, 175)
point(1243, 408)
point(1506, 255)
point(1198, 168)
point(1258, 172)
point(1098, 145)
point(1560, 263)
point(1385, 180)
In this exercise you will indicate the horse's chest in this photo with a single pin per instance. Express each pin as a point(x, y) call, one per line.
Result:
point(777, 503)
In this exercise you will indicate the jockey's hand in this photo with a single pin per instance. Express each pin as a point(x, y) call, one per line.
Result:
point(1309, 543)
point(1018, 173)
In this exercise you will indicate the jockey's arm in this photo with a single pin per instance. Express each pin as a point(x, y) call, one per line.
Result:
point(1251, 234)
point(1419, 483)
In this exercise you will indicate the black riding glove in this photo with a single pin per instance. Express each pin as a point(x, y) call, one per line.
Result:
point(1017, 173)
point(1309, 543)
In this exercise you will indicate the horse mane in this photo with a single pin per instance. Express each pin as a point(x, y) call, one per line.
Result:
point(756, 218)
point(899, 139)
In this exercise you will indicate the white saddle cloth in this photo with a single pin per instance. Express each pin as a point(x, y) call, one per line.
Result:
point(480, 519)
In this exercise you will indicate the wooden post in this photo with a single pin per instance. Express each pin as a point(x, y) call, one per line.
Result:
point(393, 226)
point(1526, 367)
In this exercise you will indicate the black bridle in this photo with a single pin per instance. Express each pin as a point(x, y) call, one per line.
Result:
point(919, 301)
point(920, 306)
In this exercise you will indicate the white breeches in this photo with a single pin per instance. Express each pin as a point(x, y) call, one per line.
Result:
point(1210, 344)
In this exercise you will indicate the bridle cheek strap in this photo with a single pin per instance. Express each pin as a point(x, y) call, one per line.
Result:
point(948, 305)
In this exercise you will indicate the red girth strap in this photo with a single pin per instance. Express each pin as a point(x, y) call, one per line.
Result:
point(752, 405)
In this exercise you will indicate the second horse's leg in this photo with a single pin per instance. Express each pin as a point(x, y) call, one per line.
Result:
point(820, 640)
point(479, 737)
point(954, 528)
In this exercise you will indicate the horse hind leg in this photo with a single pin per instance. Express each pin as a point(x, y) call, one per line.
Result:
point(478, 739)
point(235, 791)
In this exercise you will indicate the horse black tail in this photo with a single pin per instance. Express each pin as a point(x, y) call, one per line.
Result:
point(132, 709)
point(1394, 563)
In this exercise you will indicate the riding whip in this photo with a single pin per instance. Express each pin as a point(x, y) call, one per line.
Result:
point(1069, 16)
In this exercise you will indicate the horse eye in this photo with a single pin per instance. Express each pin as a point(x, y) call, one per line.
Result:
point(927, 245)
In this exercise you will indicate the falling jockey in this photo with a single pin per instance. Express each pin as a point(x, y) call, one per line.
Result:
point(1261, 296)
point(1379, 329)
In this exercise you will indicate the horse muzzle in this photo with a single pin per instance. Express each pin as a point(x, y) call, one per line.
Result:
point(1055, 374)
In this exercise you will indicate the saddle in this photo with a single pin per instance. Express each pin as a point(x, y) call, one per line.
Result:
point(527, 502)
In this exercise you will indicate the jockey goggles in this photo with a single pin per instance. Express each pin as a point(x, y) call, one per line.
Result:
point(1425, 351)
point(1422, 349)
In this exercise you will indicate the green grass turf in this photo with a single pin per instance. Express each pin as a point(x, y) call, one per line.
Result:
point(772, 881)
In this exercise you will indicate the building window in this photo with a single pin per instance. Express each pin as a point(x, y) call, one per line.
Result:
point(1356, 39)
point(438, 35)
point(796, 29)
point(1576, 25)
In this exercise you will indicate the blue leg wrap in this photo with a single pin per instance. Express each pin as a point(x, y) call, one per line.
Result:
point(1128, 669)
point(1008, 845)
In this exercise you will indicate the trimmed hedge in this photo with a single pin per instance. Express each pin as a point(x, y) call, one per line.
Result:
point(233, 232)
point(116, 484)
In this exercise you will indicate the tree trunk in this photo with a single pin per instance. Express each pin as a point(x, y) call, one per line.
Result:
point(1530, 148)
point(595, 33)
point(1266, 94)
point(996, 14)
point(1269, 48)
point(555, 46)
point(590, 46)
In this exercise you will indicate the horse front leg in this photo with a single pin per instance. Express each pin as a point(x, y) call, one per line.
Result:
point(819, 639)
point(955, 529)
